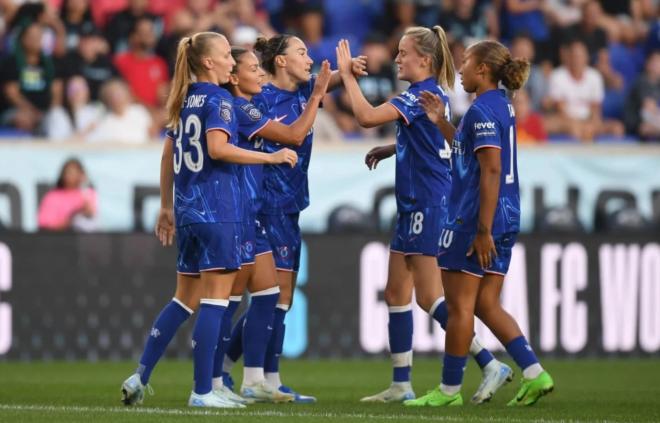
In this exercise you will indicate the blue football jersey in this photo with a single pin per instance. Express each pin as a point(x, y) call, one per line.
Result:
point(250, 121)
point(205, 190)
point(422, 154)
point(489, 122)
point(285, 189)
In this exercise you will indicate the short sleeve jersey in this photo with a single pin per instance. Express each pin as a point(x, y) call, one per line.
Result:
point(285, 188)
point(250, 122)
point(488, 123)
point(422, 154)
point(205, 190)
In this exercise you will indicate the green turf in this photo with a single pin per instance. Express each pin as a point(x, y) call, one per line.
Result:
point(585, 390)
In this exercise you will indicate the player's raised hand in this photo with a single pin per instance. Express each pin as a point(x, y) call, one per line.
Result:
point(285, 155)
point(359, 66)
point(377, 154)
point(344, 60)
point(432, 105)
point(165, 226)
point(322, 79)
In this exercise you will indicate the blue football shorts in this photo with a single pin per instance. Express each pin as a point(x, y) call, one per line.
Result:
point(417, 232)
point(455, 245)
point(208, 246)
point(285, 239)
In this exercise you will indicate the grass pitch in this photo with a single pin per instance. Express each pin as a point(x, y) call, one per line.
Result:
point(585, 390)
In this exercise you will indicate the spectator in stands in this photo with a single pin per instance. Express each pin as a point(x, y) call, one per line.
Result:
point(588, 30)
point(145, 72)
point(77, 118)
point(539, 73)
point(53, 41)
point(524, 16)
point(354, 20)
point(124, 121)
point(576, 92)
point(564, 13)
point(459, 99)
point(77, 19)
point(378, 86)
point(309, 23)
point(465, 22)
point(248, 13)
point(211, 16)
point(529, 124)
point(30, 83)
point(624, 19)
point(120, 26)
point(181, 25)
point(72, 204)
point(642, 111)
point(91, 59)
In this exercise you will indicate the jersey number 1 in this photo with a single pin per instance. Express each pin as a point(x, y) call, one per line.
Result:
point(509, 177)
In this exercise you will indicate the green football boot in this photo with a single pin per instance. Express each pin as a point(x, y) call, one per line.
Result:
point(435, 398)
point(533, 389)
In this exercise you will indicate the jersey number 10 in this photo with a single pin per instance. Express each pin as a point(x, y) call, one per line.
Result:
point(193, 129)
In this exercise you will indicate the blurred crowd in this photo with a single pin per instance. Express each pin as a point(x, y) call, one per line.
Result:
point(99, 70)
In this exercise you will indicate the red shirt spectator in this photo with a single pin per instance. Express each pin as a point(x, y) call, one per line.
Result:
point(529, 124)
point(145, 72)
point(144, 75)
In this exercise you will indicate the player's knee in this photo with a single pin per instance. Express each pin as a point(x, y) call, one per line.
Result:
point(423, 301)
point(395, 296)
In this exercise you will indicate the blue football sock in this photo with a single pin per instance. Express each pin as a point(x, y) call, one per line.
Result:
point(167, 323)
point(205, 341)
point(225, 335)
point(439, 312)
point(276, 341)
point(521, 352)
point(258, 319)
point(235, 347)
point(400, 329)
point(453, 369)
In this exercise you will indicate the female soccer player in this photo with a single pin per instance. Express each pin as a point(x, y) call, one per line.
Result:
point(199, 158)
point(258, 268)
point(285, 190)
point(422, 184)
point(483, 221)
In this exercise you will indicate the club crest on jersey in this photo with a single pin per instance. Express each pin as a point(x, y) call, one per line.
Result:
point(225, 111)
point(251, 111)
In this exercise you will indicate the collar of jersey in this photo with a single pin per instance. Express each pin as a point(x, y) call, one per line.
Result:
point(428, 81)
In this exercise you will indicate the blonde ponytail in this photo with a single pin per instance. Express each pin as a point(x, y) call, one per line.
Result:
point(446, 72)
point(188, 63)
point(180, 83)
point(433, 43)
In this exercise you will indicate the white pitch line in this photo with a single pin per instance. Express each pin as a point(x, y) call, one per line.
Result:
point(265, 413)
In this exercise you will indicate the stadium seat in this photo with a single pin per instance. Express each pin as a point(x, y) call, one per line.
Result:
point(557, 219)
point(616, 211)
point(349, 219)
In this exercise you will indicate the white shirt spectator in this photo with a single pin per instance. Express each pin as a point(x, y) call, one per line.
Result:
point(59, 125)
point(577, 94)
point(130, 127)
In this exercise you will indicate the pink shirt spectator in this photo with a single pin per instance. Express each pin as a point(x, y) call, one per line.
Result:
point(59, 206)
